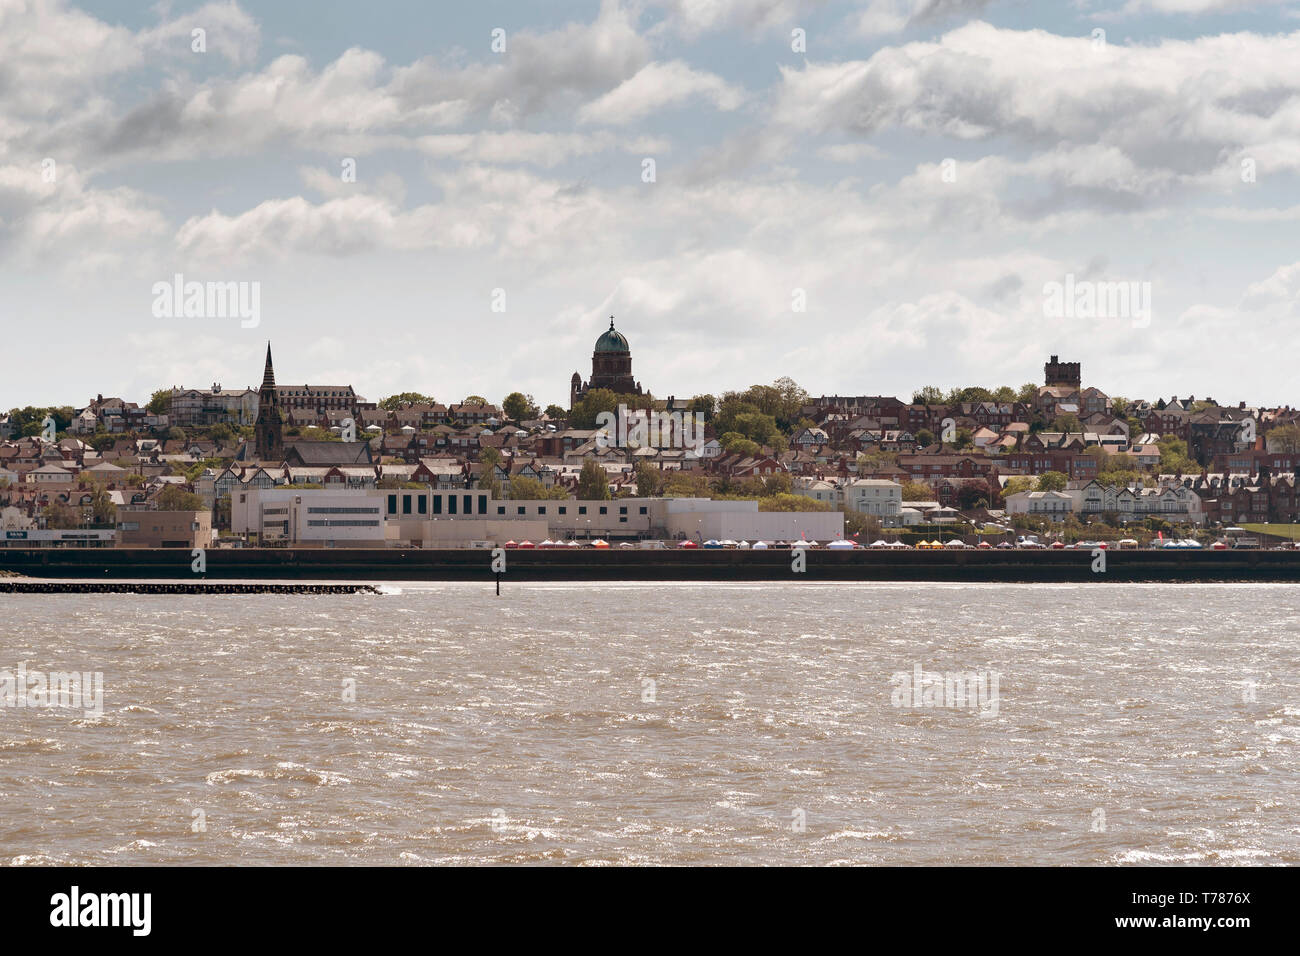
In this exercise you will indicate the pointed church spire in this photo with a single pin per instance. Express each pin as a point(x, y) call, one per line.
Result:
point(268, 376)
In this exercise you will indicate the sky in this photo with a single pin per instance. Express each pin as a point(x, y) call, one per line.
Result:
point(867, 197)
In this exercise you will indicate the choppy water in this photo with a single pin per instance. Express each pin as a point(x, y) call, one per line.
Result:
point(520, 729)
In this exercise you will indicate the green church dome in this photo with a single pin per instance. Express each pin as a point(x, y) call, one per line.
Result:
point(612, 341)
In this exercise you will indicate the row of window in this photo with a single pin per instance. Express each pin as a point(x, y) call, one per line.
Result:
point(418, 504)
point(343, 523)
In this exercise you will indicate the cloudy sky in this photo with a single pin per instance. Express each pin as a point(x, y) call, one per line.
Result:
point(913, 171)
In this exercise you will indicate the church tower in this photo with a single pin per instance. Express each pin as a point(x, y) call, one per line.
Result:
point(269, 430)
point(611, 367)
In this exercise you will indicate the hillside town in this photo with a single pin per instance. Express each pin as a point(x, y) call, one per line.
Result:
point(321, 466)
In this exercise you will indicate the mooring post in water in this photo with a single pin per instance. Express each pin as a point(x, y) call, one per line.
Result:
point(498, 565)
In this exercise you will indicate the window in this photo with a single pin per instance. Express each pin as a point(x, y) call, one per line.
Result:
point(482, 504)
point(622, 510)
point(643, 509)
point(521, 509)
point(582, 509)
point(541, 509)
point(406, 504)
point(563, 510)
point(451, 504)
point(469, 504)
point(604, 510)
point(501, 509)
point(437, 504)
point(423, 502)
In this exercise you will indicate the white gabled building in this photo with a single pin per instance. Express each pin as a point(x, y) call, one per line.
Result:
point(1055, 505)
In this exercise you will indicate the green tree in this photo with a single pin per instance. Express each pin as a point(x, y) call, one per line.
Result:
point(474, 400)
point(788, 502)
point(489, 482)
point(593, 483)
point(555, 411)
point(61, 516)
point(523, 488)
point(1052, 481)
point(393, 402)
point(1285, 439)
point(1028, 393)
point(705, 405)
point(648, 479)
point(160, 402)
point(927, 395)
point(1173, 456)
point(924, 437)
point(1016, 484)
point(684, 484)
point(519, 407)
point(917, 491)
point(176, 498)
point(102, 509)
point(734, 443)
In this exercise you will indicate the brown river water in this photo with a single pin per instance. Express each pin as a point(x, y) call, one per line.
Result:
point(654, 723)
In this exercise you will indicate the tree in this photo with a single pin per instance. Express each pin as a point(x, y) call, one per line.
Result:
point(1066, 423)
point(1028, 393)
point(927, 395)
point(175, 434)
point(924, 438)
point(917, 491)
point(489, 482)
point(555, 411)
point(519, 407)
point(705, 405)
point(1285, 439)
point(102, 509)
point(683, 484)
point(1052, 481)
point(176, 498)
point(862, 526)
point(523, 488)
point(974, 494)
point(597, 400)
point(30, 421)
point(648, 479)
point(736, 444)
point(779, 484)
point(1016, 484)
point(791, 503)
point(593, 483)
point(393, 402)
point(60, 515)
point(160, 402)
point(489, 456)
point(474, 400)
point(1173, 456)
point(221, 432)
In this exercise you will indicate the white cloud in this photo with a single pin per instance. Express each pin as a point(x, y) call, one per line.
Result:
point(656, 86)
point(1168, 107)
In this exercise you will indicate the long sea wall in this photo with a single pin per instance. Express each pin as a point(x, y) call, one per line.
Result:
point(628, 565)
